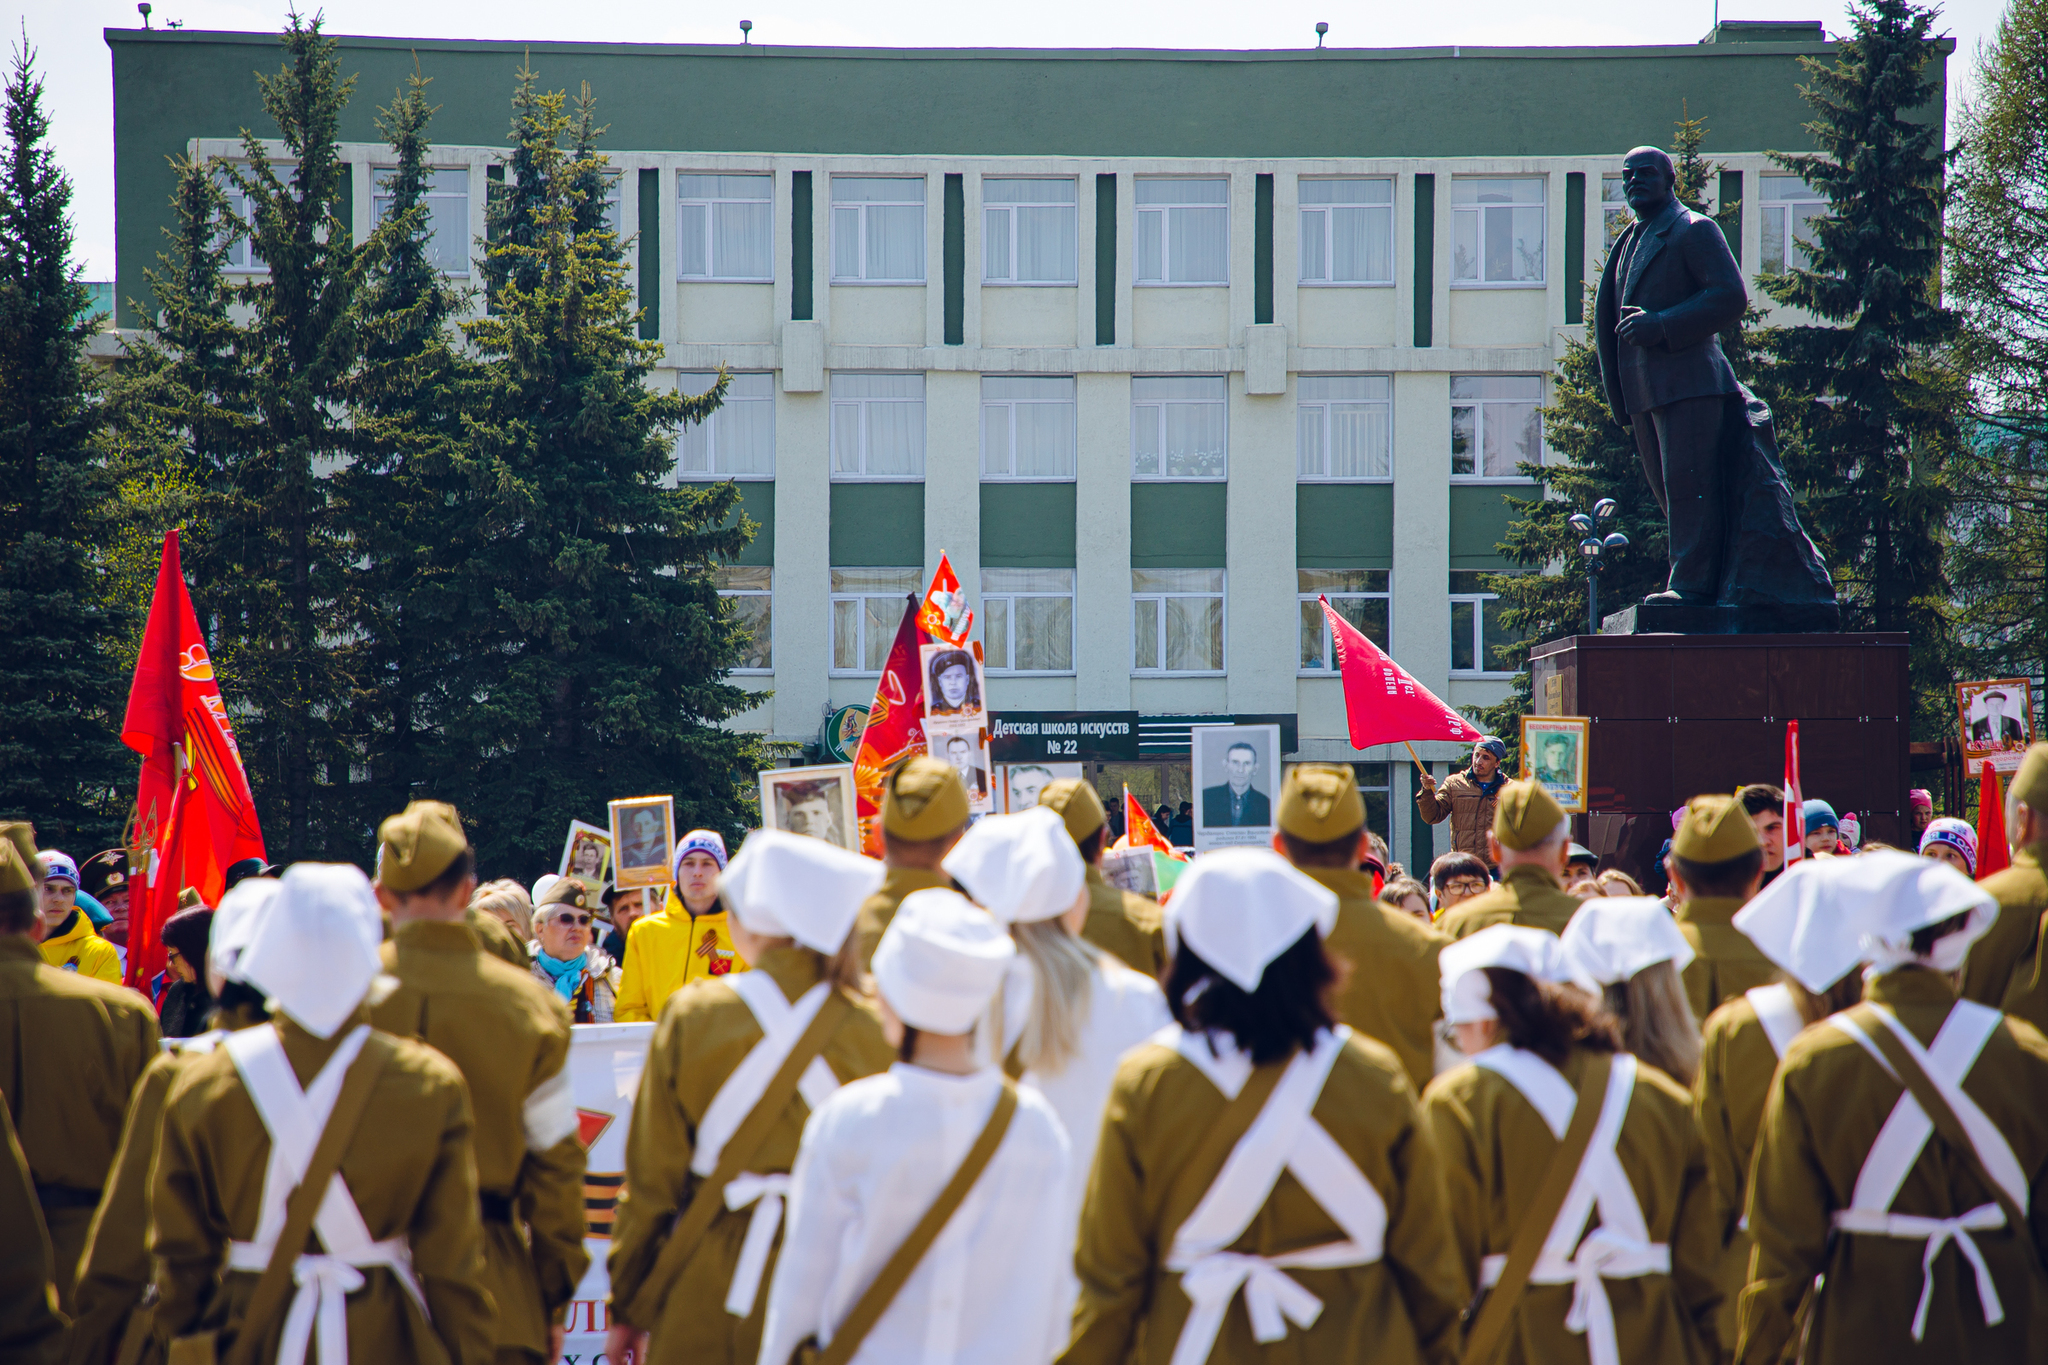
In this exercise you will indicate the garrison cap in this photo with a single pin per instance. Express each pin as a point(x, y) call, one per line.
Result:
point(14, 873)
point(1077, 803)
point(22, 835)
point(1319, 802)
point(923, 799)
point(1714, 830)
point(418, 845)
point(565, 891)
point(2030, 783)
point(1526, 815)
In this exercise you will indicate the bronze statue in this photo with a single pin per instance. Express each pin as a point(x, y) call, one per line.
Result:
point(1707, 444)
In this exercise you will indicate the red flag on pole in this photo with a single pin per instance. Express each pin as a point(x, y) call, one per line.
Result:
point(195, 816)
point(1140, 832)
point(895, 727)
point(1795, 818)
point(1993, 854)
point(1381, 702)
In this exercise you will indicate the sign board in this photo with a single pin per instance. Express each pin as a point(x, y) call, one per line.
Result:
point(840, 737)
point(1997, 718)
point(1068, 736)
point(604, 1076)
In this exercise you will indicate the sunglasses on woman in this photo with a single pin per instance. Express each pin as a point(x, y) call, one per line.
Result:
point(579, 921)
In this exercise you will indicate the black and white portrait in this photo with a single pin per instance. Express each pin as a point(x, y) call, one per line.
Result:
point(1237, 769)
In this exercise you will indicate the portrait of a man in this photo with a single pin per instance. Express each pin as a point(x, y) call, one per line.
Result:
point(961, 753)
point(952, 682)
point(1027, 780)
point(1554, 753)
point(643, 831)
point(644, 844)
point(806, 808)
point(813, 801)
point(1557, 761)
point(1235, 802)
point(1997, 724)
point(586, 859)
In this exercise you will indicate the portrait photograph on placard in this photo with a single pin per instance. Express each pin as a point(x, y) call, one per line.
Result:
point(961, 743)
point(1237, 776)
point(816, 801)
point(1554, 753)
point(643, 840)
point(953, 685)
point(1020, 783)
point(587, 855)
point(1997, 718)
point(1132, 870)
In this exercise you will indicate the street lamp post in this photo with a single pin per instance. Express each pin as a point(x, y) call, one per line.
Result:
point(1594, 547)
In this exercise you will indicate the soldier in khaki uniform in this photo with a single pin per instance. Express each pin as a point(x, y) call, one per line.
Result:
point(1121, 923)
point(31, 1328)
point(1467, 799)
point(793, 901)
point(391, 1270)
point(71, 1050)
point(1716, 865)
point(924, 813)
point(1528, 842)
point(509, 1035)
point(2005, 968)
point(1391, 994)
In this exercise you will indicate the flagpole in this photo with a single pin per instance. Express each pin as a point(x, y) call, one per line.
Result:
point(1417, 757)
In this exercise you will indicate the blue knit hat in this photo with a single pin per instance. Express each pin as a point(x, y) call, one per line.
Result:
point(1494, 746)
point(1816, 813)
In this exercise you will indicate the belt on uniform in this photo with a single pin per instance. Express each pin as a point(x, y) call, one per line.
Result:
point(495, 1208)
point(56, 1198)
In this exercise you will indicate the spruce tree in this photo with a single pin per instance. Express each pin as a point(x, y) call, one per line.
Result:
point(590, 660)
point(60, 690)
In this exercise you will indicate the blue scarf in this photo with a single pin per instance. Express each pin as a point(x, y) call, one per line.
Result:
point(567, 976)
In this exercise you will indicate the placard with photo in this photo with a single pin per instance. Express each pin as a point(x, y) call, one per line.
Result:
point(953, 685)
point(1132, 870)
point(1237, 777)
point(1998, 723)
point(816, 801)
point(587, 856)
point(964, 744)
point(1554, 753)
point(643, 840)
point(1020, 783)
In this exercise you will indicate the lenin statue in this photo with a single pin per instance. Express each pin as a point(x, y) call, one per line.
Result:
point(1708, 449)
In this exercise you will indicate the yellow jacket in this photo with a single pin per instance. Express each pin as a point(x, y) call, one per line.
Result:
point(665, 952)
point(79, 949)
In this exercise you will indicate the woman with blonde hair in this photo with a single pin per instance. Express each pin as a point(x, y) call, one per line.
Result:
point(1615, 882)
point(1629, 953)
point(507, 902)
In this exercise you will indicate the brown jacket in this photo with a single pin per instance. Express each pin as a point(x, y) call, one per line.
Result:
point(2004, 967)
point(1725, 963)
point(1392, 994)
point(1469, 810)
point(1125, 925)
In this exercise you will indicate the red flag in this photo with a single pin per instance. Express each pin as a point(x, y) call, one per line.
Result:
point(194, 815)
point(944, 614)
point(1993, 854)
point(1382, 703)
point(1795, 816)
point(895, 727)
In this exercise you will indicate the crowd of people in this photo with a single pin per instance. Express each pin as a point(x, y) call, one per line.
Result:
point(973, 1103)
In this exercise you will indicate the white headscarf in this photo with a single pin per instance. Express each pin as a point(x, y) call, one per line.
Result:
point(315, 951)
point(940, 961)
point(787, 885)
point(1239, 908)
point(1021, 867)
point(1467, 994)
point(1825, 916)
point(235, 921)
point(1609, 940)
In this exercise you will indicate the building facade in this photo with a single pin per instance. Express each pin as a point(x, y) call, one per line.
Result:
point(1155, 346)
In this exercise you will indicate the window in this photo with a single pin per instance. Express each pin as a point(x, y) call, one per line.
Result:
point(1790, 205)
point(867, 607)
point(1343, 426)
point(1376, 786)
point(1615, 215)
point(878, 426)
point(1359, 596)
point(614, 203)
point(750, 589)
point(1177, 620)
point(1497, 231)
point(1027, 623)
point(725, 227)
point(1184, 231)
point(1028, 231)
point(446, 199)
point(1179, 428)
point(877, 230)
point(738, 440)
point(1495, 425)
point(1027, 427)
point(1347, 231)
point(1479, 644)
point(240, 207)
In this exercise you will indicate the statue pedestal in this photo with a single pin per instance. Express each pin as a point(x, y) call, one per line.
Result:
point(1675, 716)
point(1656, 618)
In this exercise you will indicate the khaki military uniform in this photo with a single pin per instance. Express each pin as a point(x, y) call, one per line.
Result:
point(1127, 926)
point(1737, 1062)
point(31, 1328)
point(2003, 969)
point(1393, 993)
point(1827, 1105)
point(509, 1035)
point(1460, 799)
point(1400, 1310)
point(1496, 1148)
point(705, 1031)
point(498, 940)
point(878, 909)
point(1725, 963)
point(409, 1168)
point(1527, 896)
point(71, 1049)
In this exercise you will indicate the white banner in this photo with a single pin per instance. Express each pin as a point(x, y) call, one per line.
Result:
point(604, 1076)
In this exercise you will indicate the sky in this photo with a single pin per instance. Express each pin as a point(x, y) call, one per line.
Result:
point(73, 57)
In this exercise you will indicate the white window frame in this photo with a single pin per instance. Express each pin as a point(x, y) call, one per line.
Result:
point(1615, 214)
point(1781, 211)
point(912, 576)
point(1481, 603)
point(836, 402)
point(1306, 599)
point(860, 209)
point(720, 574)
point(1157, 416)
point(1165, 211)
point(1326, 211)
point(241, 256)
point(380, 197)
point(691, 382)
point(707, 206)
point(992, 594)
point(1160, 596)
point(1304, 405)
point(1479, 211)
point(1004, 411)
point(1479, 430)
point(1008, 211)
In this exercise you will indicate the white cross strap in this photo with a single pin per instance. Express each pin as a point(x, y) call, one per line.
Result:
point(766, 1193)
point(1781, 1018)
point(782, 1024)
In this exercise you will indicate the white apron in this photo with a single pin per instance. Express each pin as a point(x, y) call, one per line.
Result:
point(295, 1119)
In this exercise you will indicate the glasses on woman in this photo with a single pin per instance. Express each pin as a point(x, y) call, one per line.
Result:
point(577, 921)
